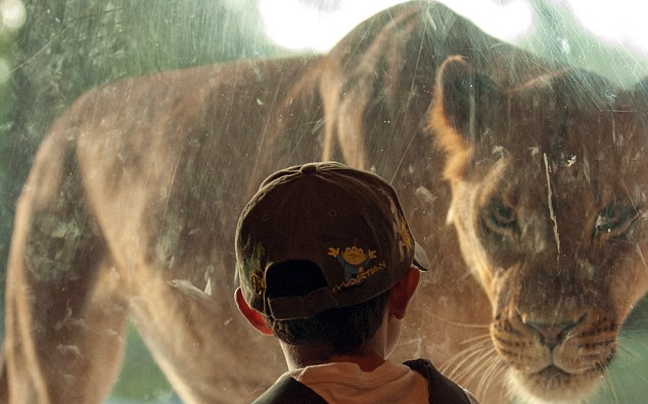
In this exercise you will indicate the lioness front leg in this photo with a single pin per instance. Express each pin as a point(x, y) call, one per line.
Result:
point(65, 325)
point(200, 341)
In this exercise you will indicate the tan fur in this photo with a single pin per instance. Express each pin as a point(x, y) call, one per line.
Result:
point(551, 219)
point(130, 210)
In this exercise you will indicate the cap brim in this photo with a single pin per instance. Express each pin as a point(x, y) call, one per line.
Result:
point(421, 260)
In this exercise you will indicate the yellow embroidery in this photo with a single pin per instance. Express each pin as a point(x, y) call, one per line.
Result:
point(355, 263)
point(253, 268)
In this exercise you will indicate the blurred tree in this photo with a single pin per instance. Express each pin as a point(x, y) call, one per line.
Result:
point(558, 35)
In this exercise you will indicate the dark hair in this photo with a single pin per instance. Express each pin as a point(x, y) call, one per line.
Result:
point(345, 329)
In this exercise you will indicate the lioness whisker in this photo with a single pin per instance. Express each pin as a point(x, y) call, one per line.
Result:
point(626, 350)
point(469, 359)
point(610, 385)
point(636, 343)
point(467, 368)
point(494, 369)
point(471, 346)
point(483, 369)
point(481, 338)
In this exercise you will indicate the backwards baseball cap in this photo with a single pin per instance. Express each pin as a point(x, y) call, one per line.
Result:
point(345, 222)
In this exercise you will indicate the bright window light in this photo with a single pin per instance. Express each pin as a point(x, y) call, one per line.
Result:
point(621, 22)
point(297, 24)
point(507, 21)
point(12, 14)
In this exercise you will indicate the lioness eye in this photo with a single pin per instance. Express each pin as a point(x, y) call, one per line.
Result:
point(615, 220)
point(503, 215)
point(500, 217)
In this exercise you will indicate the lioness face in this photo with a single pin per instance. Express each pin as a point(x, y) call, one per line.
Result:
point(549, 202)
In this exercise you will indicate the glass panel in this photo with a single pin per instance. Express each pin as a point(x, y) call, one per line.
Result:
point(523, 181)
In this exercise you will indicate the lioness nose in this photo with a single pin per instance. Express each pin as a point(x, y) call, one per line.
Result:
point(552, 333)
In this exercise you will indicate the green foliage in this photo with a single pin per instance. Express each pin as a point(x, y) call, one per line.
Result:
point(140, 378)
point(557, 35)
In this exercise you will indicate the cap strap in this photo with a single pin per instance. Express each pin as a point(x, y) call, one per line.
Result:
point(294, 307)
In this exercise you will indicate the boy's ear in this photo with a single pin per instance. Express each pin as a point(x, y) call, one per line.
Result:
point(253, 317)
point(402, 293)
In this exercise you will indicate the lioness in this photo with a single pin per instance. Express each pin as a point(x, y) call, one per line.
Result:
point(131, 205)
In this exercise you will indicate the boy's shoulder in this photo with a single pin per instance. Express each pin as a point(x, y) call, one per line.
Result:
point(287, 390)
point(440, 388)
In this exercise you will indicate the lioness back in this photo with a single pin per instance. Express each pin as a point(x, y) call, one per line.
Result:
point(134, 196)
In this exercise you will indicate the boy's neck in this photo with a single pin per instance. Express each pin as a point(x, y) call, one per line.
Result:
point(367, 357)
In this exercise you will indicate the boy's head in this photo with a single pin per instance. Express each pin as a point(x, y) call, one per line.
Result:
point(321, 243)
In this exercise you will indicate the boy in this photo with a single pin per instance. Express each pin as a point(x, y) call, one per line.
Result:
point(327, 264)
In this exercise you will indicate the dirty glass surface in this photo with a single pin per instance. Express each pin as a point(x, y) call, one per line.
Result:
point(53, 51)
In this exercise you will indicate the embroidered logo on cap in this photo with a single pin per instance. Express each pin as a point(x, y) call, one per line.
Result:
point(405, 242)
point(358, 265)
point(252, 267)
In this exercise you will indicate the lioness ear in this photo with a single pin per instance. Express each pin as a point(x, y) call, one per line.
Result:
point(461, 101)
